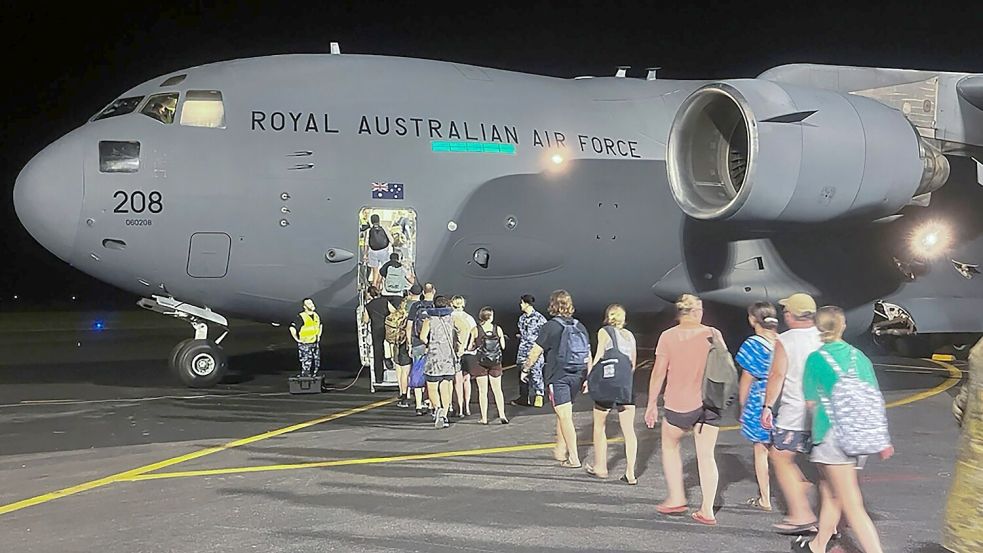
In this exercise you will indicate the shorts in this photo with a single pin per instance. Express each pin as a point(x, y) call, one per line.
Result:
point(828, 452)
point(564, 389)
point(686, 421)
point(438, 378)
point(799, 441)
point(403, 356)
point(608, 405)
point(480, 370)
point(377, 258)
point(469, 362)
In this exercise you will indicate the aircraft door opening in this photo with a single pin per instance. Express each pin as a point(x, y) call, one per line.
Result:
point(383, 232)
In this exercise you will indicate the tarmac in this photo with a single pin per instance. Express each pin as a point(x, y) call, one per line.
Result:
point(101, 449)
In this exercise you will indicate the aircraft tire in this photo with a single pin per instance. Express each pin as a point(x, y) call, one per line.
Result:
point(200, 363)
point(172, 360)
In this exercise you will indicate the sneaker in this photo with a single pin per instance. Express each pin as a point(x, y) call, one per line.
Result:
point(520, 402)
point(402, 403)
point(445, 424)
point(538, 402)
point(420, 411)
point(439, 419)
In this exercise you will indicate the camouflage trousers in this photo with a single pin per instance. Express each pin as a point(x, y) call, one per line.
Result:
point(310, 358)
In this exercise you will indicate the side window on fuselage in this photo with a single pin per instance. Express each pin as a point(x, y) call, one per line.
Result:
point(203, 108)
point(117, 156)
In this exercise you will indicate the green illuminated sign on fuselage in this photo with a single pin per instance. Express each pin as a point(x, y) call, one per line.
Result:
point(472, 147)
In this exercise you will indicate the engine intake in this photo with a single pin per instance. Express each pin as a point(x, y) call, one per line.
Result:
point(756, 150)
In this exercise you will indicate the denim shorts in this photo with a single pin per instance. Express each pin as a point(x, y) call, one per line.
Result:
point(799, 441)
point(564, 389)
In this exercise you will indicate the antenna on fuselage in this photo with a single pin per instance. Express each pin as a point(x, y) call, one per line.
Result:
point(335, 49)
point(622, 71)
point(650, 76)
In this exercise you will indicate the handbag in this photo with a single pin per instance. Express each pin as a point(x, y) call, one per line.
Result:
point(417, 377)
point(610, 381)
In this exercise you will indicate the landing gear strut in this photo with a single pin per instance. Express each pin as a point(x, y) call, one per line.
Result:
point(198, 362)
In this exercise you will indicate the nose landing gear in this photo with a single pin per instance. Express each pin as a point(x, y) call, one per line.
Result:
point(198, 362)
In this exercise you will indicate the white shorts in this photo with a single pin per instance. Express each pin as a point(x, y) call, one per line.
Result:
point(377, 258)
point(829, 453)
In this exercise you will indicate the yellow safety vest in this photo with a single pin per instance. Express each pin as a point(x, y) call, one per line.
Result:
point(311, 328)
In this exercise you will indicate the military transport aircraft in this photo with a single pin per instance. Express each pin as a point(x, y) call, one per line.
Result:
point(241, 187)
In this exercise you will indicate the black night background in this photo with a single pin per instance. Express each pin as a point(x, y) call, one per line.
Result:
point(64, 62)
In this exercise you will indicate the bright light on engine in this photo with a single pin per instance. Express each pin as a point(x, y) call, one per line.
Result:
point(931, 240)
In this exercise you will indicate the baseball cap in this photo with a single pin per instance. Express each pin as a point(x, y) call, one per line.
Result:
point(416, 289)
point(799, 304)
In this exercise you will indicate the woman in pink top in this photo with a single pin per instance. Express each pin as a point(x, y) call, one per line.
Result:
point(680, 359)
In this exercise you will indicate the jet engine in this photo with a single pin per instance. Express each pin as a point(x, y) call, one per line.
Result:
point(757, 150)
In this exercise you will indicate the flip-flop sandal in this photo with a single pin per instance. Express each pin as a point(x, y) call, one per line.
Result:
point(590, 470)
point(787, 529)
point(698, 517)
point(629, 482)
point(568, 465)
point(667, 510)
point(755, 502)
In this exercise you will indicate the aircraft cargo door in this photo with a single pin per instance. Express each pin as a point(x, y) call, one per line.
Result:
point(208, 255)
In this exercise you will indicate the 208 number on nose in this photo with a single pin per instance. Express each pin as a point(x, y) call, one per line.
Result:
point(138, 201)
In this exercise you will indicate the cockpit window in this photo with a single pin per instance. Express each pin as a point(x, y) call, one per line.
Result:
point(171, 81)
point(119, 107)
point(161, 107)
point(203, 108)
point(119, 157)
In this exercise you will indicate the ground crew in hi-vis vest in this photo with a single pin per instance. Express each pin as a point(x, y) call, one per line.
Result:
point(963, 528)
point(306, 330)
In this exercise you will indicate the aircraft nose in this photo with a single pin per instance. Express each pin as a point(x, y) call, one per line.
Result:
point(48, 196)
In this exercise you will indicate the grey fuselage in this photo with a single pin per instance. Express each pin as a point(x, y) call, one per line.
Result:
point(306, 136)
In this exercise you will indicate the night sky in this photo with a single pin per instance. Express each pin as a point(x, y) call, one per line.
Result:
point(64, 64)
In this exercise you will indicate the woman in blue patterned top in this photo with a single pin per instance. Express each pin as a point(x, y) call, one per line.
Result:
point(754, 357)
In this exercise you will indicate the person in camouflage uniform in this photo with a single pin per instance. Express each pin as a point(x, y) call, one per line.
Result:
point(531, 387)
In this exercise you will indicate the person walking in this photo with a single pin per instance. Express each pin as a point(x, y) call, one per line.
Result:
point(754, 357)
point(610, 381)
point(396, 278)
point(680, 361)
point(790, 427)
point(841, 391)
point(376, 310)
point(565, 344)
point(488, 342)
point(442, 362)
point(378, 248)
point(531, 387)
point(306, 331)
point(464, 323)
point(416, 306)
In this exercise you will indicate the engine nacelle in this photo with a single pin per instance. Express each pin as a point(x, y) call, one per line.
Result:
point(757, 150)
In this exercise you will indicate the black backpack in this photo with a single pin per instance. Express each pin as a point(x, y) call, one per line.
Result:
point(489, 348)
point(610, 381)
point(378, 239)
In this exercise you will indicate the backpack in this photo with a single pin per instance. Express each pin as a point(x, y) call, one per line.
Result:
point(574, 350)
point(719, 378)
point(395, 281)
point(378, 240)
point(396, 325)
point(856, 411)
point(489, 348)
point(610, 381)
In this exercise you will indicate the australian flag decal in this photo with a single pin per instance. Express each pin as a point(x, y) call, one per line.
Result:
point(387, 191)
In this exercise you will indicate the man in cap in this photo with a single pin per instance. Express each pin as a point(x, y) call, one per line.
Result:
point(788, 419)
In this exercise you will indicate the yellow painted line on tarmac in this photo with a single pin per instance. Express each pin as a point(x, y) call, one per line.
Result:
point(954, 377)
point(130, 474)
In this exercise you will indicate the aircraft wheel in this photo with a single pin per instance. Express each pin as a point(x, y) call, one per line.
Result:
point(172, 360)
point(200, 363)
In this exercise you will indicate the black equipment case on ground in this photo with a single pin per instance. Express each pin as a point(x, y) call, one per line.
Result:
point(305, 384)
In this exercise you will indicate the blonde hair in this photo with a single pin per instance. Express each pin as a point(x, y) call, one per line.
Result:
point(458, 302)
point(561, 304)
point(686, 304)
point(831, 322)
point(614, 315)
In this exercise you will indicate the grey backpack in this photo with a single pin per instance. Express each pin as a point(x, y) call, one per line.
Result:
point(719, 378)
point(856, 411)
